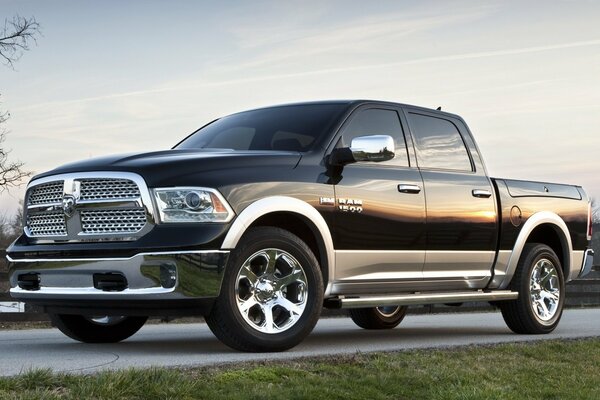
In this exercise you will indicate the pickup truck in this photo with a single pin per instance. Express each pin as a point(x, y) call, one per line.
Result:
point(259, 219)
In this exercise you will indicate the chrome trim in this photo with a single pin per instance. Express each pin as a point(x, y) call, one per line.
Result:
point(374, 148)
point(413, 189)
point(465, 265)
point(376, 265)
point(72, 278)
point(470, 267)
point(283, 203)
point(481, 193)
point(158, 253)
point(539, 218)
point(588, 263)
point(427, 298)
point(230, 212)
point(73, 224)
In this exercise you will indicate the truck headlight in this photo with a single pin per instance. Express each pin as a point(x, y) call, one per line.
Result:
point(191, 204)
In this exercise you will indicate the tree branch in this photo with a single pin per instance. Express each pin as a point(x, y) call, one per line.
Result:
point(16, 36)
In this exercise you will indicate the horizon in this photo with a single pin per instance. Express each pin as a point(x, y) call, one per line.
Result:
point(116, 77)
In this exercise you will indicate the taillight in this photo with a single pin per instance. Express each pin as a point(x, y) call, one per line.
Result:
point(590, 222)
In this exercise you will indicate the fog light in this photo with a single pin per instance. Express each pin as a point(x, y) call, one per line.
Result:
point(168, 276)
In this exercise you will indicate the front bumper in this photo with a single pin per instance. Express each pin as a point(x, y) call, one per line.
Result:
point(154, 281)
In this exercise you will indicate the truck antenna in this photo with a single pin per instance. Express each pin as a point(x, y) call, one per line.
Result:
point(439, 108)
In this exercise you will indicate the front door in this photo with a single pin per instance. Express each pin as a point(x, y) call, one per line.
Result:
point(380, 216)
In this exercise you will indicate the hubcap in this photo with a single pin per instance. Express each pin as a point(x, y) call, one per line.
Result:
point(544, 288)
point(271, 291)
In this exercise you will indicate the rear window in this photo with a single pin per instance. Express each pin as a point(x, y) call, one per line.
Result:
point(288, 128)
point(438, 143)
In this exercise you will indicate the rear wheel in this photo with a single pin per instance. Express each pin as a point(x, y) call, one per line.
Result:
point(97, 329)
point(540, 283)
point(386, 317)
point(272, 293)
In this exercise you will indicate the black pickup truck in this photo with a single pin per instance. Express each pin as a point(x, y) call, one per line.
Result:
point(259, 219)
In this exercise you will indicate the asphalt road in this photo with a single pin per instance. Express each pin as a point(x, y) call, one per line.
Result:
point(174, 344)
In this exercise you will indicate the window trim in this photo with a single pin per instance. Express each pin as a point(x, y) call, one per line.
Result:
point(410, 156)
point(473, 169)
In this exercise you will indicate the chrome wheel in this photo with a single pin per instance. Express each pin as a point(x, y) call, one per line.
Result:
point(544, 289)
point(388, 311)
point(271, 291)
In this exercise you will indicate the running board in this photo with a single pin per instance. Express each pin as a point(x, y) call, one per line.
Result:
point(419, 298)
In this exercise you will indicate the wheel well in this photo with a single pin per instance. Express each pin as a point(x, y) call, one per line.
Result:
point(549, 235)
point(304, 229)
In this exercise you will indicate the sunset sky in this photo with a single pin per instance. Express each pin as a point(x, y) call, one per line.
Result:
point(122, 76)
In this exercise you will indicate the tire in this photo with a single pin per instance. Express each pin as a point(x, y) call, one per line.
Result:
point(378, 317)
point(97, 329)
point(540, 282)
point(268, 306)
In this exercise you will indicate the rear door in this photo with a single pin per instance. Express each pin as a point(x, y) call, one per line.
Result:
point(461, 207)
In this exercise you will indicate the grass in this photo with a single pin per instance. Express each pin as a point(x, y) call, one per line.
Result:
point(543, 370)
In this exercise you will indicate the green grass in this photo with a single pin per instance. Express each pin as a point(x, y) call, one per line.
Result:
point(544, 370)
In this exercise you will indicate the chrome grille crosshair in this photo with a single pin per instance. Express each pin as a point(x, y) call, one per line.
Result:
point(88, 206)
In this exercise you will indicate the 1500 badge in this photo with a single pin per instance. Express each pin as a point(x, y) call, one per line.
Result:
point(345, 205)
point(350, 205)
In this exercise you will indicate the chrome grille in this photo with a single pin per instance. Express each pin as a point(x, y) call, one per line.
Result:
point(108, 189)
point(47, 223)
point(88, 206)
point(48, 193)
point(113, 221)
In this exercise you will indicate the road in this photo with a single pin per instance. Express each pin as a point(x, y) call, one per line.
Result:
point(173, 344)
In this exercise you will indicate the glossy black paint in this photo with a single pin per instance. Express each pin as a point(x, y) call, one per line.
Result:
point(390, 220)
point(574, 213)
point(166, 237)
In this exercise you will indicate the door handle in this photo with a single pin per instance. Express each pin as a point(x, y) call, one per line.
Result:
point(481, 193)
point(404, 188)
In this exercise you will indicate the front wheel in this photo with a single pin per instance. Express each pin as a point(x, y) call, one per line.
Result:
point(387, 317)
point(272, 293)
point(541, 286)
point(94, 329)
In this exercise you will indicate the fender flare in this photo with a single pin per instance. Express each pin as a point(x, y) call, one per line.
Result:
point(273, 204)
point(537, 219)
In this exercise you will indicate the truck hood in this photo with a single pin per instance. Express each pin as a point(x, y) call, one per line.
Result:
point(184, 166)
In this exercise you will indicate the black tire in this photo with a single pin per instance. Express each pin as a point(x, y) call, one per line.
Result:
point(378, 317)
point(90, 330)
point(249, 330)
point(523, 315)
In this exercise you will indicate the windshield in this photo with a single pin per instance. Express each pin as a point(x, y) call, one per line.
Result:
point(288, 128)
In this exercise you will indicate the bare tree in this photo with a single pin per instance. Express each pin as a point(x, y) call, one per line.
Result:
point(16, 37)
point(11, 172)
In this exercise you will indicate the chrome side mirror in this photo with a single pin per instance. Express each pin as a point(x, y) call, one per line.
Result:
point(375, 148)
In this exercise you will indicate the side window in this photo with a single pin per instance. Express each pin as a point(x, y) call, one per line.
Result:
point(438, 143)
point(377, 121)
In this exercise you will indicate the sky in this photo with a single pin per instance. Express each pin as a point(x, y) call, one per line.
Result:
point(130, 76)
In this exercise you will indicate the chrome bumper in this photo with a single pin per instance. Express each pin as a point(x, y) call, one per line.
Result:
point(588, 263)
point(147, 276)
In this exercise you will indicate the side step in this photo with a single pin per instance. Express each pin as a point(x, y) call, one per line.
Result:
point(419, 298)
